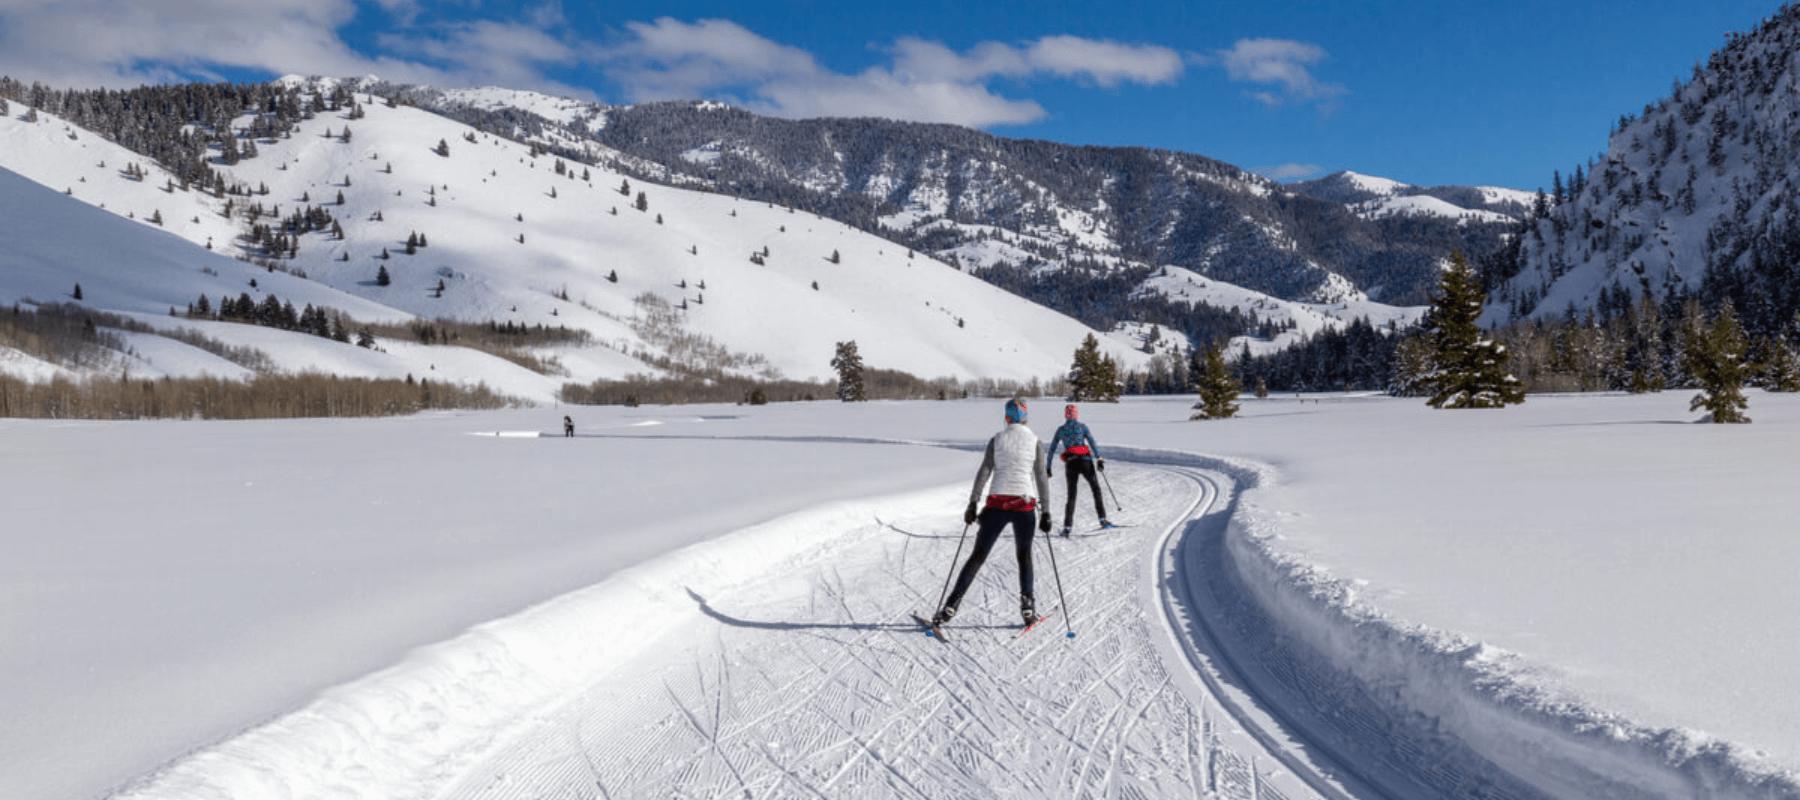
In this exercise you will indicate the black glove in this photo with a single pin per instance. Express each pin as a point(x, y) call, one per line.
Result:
point(1044, 521)
point(969, 514)
point(1049, 471)
point(1100, 464)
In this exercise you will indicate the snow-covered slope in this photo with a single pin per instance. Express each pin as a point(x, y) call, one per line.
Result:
point(1372, 197)
point(513, 235)
point(1701, 183)
point(1297, 321)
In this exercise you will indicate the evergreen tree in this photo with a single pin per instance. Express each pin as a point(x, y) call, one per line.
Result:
point(1412, 364)
point(1716, 358)
point(381, 277)
point(849, 366)
point(1468, 369)
point(1093, 378)
point(1644, 352)
point(1781, 370)
point(1218, 387)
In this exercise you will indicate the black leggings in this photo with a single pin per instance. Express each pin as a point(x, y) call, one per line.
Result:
point(993, 521)
point(1077, 468)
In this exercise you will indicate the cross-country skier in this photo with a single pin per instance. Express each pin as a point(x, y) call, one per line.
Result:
point(1018, 486)
point(1081, 458)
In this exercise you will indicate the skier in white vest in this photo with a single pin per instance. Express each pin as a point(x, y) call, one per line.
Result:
point(1020, 485)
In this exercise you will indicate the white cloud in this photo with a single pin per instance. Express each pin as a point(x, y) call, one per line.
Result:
point(1106, 63)
point(1284, 64)
point(670, 59)
point(925, 81)
point(122, 43)
point(1289, 172)
point(126, 42)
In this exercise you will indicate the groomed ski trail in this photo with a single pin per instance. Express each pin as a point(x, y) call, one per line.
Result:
point(815, 683)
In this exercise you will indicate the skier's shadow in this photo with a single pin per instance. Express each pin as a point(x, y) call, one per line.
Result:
point(739, 622)
point(911, 534)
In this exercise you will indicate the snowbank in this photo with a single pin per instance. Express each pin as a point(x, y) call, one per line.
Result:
point(1429, 699)
point(409, 730)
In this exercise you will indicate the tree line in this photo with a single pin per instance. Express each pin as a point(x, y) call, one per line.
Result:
point(263, 397)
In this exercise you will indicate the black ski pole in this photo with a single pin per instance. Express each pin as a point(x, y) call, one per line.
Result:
point(1109, 489)
point(1069, 625)
point(959, 546)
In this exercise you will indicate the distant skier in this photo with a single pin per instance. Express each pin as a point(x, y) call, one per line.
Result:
point(568, 426)
point(1018, 485)
point(1081, 459)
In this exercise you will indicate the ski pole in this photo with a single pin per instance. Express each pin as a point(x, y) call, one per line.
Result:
point(1109, 489)
point(959, 546)
point(1070, 626)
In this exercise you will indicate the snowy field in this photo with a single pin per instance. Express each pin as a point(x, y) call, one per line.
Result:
point(1328, 597)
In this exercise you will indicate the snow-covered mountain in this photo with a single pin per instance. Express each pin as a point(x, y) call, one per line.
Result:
point(1374, 198)
point(1079, 210)
point(1695, 195)
point(512, 234)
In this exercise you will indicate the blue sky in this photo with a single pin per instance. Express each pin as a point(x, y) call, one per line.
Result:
point(1483, 93)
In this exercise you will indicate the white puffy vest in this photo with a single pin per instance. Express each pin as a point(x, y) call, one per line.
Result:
point(1015, 456)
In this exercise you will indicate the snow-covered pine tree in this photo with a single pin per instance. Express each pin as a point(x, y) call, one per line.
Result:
point(1715, 356)
point(1468, 369)
point(1781, 368)
point(1093, 378)
point(1219, 389)
point(849, 366)
point(1412, 364)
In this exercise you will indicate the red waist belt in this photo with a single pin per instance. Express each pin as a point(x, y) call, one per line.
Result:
point(1011, 502)
point(1078, 451)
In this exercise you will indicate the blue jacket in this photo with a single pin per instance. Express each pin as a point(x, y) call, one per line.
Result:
point(1074, 437)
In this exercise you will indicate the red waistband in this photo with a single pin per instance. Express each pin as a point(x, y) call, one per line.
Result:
point(1011, 502)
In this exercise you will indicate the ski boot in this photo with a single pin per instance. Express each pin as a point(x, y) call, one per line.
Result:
point(1028, 611)
point(942, 616)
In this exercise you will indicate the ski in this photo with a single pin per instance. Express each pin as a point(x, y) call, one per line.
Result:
point(931, 630)
point(1034, 623)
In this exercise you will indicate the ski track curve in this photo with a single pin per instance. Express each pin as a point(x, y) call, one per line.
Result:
point(822, 686)
point(1205, 663)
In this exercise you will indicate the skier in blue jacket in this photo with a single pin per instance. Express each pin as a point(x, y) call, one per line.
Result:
point(1081, 458)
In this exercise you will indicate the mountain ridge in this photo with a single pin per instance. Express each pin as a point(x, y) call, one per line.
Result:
point(514, 236)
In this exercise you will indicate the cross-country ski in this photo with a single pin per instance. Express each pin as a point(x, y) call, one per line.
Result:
point(1039, 621)
point(932, 629)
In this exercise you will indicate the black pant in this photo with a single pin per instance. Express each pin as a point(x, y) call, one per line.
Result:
point(993, 521)
point(1078, 468)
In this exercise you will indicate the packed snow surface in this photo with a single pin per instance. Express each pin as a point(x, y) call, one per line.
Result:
point(1330, 596)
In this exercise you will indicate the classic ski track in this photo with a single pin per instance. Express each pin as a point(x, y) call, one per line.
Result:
point(833, 692)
